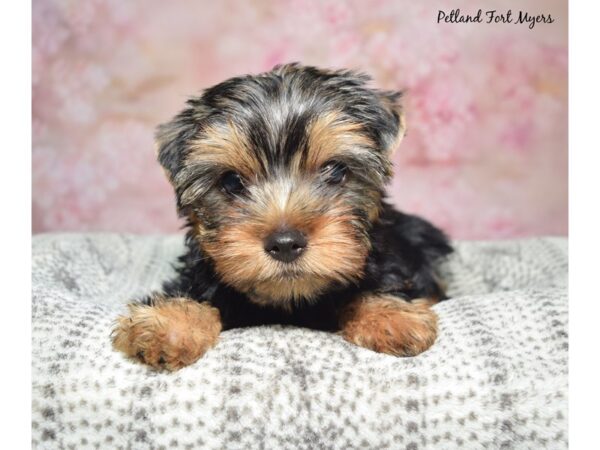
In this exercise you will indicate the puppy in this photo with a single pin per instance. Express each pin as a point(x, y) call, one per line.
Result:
point(280, 177)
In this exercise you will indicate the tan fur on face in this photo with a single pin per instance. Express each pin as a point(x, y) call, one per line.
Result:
point(171, 334)
point(334, 253)
point(387, 324)
point(331, 135)
point(226, 146)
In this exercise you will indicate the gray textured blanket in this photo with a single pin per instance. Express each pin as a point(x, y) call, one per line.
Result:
point(496, 377)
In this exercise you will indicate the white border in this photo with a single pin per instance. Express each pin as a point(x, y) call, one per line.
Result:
point(15, 220)
point(584, 223)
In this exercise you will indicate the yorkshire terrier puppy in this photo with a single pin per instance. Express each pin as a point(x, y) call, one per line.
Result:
point(281, 178)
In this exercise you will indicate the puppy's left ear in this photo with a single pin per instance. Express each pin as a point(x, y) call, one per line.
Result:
point(396, 130)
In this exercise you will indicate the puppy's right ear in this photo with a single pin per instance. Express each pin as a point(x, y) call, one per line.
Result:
point(172, 138)
point(390, 100)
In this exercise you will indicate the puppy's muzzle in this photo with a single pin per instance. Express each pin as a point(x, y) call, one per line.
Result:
point(285, 245)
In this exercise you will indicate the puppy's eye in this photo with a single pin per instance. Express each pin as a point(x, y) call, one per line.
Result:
point(232, 184)
point(335, 172)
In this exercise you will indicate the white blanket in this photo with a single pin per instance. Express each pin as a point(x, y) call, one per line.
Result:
point(495, 378)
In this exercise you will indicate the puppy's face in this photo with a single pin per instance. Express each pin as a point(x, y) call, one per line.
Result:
point(281, 175)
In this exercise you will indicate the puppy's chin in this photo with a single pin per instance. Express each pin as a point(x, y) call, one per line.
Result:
point(287, 291)
point(287, 285)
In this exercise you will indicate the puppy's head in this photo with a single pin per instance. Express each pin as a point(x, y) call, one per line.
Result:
point(281, 175)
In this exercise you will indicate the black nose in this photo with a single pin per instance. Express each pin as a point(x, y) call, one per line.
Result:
point(285, 245)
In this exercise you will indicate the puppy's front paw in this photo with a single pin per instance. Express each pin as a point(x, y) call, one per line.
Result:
point(170, 334)
point(390, 325)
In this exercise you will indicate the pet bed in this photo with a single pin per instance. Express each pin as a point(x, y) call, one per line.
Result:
point(495, 378)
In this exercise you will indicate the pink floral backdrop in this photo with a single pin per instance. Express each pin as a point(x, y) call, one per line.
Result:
point(486, 152)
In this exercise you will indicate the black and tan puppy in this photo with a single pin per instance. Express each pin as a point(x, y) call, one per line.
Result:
point(281, 178)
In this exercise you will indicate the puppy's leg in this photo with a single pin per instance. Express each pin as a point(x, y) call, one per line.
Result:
point(388, 324)
point(171, 333)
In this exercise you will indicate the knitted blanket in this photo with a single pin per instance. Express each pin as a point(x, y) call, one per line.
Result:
point(495, 378)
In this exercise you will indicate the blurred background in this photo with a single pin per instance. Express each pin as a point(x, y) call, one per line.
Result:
point(486, 152)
